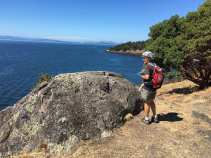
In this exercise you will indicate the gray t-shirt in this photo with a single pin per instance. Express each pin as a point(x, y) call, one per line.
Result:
point(148, 70)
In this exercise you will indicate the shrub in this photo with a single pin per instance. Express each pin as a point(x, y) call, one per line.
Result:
point(43, 78)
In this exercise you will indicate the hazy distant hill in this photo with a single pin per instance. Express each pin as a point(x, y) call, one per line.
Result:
point(15, 38)
point(106, 42)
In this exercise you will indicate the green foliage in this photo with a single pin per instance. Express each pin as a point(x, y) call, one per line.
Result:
point(129, 46)
point(174, 76)
point(43, 78)
point(184, 44)
point(167, 42)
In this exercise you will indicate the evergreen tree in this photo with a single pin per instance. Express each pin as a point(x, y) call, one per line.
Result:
point(184, 44)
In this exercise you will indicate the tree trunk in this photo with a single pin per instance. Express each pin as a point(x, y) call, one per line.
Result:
point(203, 80)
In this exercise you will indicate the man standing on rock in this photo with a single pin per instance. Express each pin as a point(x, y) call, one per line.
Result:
point(147, 92)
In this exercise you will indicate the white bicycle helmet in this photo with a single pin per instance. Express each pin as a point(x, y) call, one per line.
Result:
point(148, 54)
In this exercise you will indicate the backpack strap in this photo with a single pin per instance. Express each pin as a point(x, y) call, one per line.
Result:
point(152, 64)
point(155, 65)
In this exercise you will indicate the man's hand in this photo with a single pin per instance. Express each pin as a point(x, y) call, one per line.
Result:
point(139, 74)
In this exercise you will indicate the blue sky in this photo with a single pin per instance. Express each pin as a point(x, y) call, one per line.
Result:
point(88, 20)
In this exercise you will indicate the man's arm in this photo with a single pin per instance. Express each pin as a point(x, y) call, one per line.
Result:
point(145, 77)
point(146, 74)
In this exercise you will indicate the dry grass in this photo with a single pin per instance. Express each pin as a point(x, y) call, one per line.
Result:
point(33, 155)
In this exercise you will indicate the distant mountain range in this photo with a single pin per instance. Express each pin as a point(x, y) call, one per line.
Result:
point(15, 38)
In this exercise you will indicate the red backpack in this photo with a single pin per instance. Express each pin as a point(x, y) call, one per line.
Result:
point(157, 77)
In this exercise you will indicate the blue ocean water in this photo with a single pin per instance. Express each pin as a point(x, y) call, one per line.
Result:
point(22, 62)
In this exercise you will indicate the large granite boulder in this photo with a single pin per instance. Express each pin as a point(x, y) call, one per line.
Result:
point(72, 107)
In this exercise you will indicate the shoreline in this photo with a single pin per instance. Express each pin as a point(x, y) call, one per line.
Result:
point(128, 52)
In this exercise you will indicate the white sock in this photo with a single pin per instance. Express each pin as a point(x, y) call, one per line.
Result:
point(155, 116)
point(146, 118)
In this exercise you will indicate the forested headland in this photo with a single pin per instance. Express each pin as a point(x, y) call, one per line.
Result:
point(181, 43)
point(140, 45)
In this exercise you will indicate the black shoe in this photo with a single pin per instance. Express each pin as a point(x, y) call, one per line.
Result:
point(155, 120)
point(145, 121)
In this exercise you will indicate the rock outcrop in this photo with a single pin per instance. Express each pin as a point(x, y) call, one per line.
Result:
point(127, 52)
point(72, 107)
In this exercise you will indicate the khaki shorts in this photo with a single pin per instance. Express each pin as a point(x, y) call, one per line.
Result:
point(146, 95)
